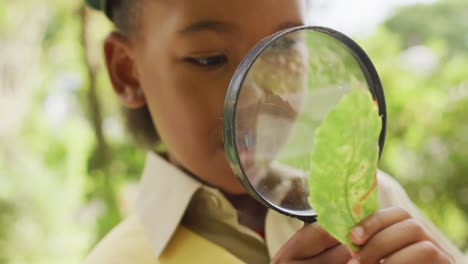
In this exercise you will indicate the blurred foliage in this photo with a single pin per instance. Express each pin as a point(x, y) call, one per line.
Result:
point(67, 166)
point(421, 53)
point(61, 189)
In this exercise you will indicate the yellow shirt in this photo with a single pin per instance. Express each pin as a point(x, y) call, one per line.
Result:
point(180, 220)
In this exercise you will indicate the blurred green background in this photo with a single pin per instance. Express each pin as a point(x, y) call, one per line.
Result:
point(68, 169)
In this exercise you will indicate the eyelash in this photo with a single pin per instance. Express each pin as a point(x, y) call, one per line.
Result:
point(208, 61)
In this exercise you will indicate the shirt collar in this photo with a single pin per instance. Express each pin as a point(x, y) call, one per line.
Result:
point(166, 191)
point(164, 194)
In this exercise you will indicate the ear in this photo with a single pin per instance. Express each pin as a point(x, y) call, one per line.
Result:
point(121, 66)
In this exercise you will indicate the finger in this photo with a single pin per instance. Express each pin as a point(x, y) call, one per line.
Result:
point(376, 222)
point(391, 240)
point(309, 241)
point(422, 252)
point(337, 255)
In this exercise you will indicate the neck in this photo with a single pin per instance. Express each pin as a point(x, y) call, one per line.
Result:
point(250, 212)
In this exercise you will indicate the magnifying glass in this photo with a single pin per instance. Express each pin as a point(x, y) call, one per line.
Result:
point(277, 98)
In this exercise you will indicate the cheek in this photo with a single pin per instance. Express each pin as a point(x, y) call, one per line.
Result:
point(187, 113)
point(190, 124)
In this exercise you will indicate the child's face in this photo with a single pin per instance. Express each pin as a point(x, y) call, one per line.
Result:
point(183, 60)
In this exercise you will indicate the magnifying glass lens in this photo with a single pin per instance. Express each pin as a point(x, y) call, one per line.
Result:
point(278, 99)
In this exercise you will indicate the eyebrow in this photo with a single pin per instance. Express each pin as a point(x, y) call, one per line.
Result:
point(219, 26)
point(206, 25)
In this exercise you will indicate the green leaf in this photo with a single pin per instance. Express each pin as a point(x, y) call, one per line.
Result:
point(343, 179)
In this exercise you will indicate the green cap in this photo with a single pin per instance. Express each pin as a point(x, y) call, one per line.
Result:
point(100, 5)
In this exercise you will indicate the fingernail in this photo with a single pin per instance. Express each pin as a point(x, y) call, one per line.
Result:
point(357, 233)
point(354, 260)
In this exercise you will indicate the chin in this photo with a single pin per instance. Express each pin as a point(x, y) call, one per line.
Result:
point(230, 183)
point(234, 189)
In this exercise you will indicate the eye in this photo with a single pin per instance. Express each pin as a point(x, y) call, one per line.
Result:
point(207, 61)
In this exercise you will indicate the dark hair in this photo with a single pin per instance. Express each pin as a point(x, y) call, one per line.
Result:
point(125, 16)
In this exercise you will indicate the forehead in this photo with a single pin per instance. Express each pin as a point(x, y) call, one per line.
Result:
point(237, 10)
point(240, 13)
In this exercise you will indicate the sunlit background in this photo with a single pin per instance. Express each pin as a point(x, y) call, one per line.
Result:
point(68, 170)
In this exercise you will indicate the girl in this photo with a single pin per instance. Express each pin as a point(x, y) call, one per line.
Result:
point(170, 62)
